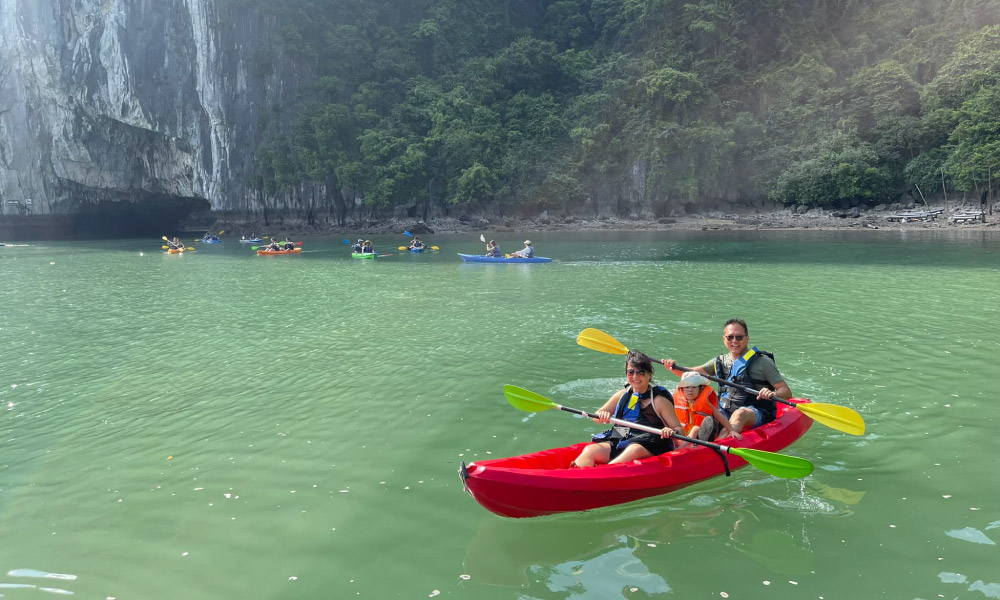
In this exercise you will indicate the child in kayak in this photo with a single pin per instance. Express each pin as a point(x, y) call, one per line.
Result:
point(493, 249)
point(642, 403)
point(695, 400)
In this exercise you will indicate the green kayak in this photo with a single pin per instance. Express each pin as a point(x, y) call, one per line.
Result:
point(363, 255)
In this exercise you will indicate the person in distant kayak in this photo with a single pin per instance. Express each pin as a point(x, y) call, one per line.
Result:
point(175, 244)
point(367, 248)
point(416, 244)
point(288, 244)
point(527, 252)
point(748, 367)
point(695, 401)
point(358, 246)
point(273, 246)
point(493, 249)
point(642, 403)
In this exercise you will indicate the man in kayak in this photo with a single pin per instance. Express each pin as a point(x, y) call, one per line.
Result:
point(288, 244)
point(694, 402)
point(416, 244)
point(748, 367)
point(493, 249)
point(527, 252)
point(642, 403)
point(357, 247)
point(176, 244)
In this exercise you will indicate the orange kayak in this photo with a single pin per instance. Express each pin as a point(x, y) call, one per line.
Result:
point(292, 251)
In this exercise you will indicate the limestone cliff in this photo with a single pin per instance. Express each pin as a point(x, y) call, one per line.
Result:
point(150, 104)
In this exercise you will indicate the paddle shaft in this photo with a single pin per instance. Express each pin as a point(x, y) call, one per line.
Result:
point(646, 428)
point(738, 386)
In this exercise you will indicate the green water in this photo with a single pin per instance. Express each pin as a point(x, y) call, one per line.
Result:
point(223, 425)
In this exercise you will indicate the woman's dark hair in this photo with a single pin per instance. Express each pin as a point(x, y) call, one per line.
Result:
point(638, 360)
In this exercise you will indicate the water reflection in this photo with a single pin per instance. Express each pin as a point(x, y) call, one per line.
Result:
point(514, 552)
point(625, 553)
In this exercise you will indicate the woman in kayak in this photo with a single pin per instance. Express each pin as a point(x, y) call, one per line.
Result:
point(274, 245)
point(368, 248)
point(695, 400)
point(641, 403)
point(493, 249)
point(416, 244)
point(288, 244)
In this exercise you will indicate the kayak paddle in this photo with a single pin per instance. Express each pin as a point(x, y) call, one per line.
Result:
point(836, 417)
point(407, 233)
point(779, 465)
point(482, 238)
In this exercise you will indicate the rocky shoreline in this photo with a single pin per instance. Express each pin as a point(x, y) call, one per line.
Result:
point(788, 218)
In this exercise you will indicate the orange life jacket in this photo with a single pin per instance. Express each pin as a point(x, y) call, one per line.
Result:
point(691, 415)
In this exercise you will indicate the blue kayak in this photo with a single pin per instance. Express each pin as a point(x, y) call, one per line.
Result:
point(482, 258)
point(212, 241)
point(254, 241)
point(415, 250)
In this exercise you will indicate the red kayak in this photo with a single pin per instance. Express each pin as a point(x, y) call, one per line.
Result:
point(542, 483)
point(267, 252)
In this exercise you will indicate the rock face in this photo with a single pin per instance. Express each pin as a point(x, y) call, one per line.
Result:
point(133, 102)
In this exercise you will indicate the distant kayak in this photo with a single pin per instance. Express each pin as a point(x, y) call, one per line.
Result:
point(481, 258)
point(415, 250)
point(175, 251)
point(364, 254)
point(211, 241)
point(292, 251)
point(253, 241)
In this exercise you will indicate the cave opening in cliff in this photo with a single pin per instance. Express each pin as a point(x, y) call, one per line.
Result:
point(149, 215)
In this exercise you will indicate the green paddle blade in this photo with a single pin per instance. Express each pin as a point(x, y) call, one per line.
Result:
point(779, 465)
point(836, 417)
point(527, 400)
point(595, 339)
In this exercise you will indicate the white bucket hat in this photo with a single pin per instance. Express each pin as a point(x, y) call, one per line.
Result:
point(691, 379)
point(527, 242)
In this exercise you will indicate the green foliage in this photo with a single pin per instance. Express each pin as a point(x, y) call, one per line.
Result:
point(530, 104)
point(841, 169)
point(975, 141)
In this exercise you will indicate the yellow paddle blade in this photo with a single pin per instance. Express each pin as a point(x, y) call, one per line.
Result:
point(595, 339)
point(837, 417)
point(402, 248)
point(221, 232)
point(165, 247)
point(434, 248)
